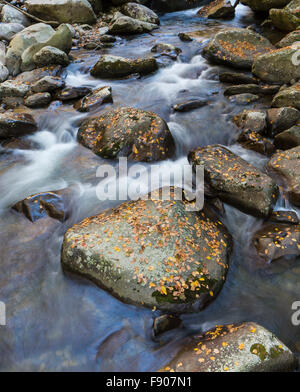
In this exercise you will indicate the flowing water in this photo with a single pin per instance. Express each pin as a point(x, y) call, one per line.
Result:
point(57, 321)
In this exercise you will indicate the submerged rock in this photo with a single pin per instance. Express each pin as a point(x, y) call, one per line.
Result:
point(284, 217)
point(109, 66)
point(246, 347)
point(236, 47)
point(138, 134)
point(287, 165)
point(274, 241)
point(62, 11)
point(235, 181)
point(16, 124)
point(165, 323)
point(95, 99)
point(152, 252)
point(41, 205)
point(265, 5)
point(217, 9)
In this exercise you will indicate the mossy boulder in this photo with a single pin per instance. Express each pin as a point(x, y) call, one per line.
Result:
point(236, 47)
point(39, 32)
point(278, 66)
point(109, 66)
point(246, 347)
point(288, 18)
point(16, 124)
point(138, 134)
point(289, 96)
point(287, 165)
point(153, 253)
point(235, 181)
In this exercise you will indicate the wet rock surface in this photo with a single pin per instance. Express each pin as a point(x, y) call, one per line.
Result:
point(173, 273)
point(278, 240)
point(236, 48)
point(246, 347)
point(286, 165)
point(140, 135)
point(116, 67)
point(16, 124)
point(95, 99)
point(235, 181)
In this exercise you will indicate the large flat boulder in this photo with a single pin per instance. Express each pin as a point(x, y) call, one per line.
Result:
point(152, 253)
point(246, 347)
point(236, 47)
point(235, 181)
point(217, 9)
point(62, 11)
point(138, 134)
point(287, 165)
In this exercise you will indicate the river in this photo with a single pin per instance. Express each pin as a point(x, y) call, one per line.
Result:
point(60, 322)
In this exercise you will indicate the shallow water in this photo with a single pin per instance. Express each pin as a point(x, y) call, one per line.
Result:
point(57, 321)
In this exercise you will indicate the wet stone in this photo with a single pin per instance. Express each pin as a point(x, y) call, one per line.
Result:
point(284, 217)
point(246, 347)
point(40, 205)
point(190, 105)
point(72, 93)
point(95, 99)
point(165, 323)
point(275, 241)
point(153, 253)
point(255, 142)
point(235, 181)
point(16, 124)
point(138, 134)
